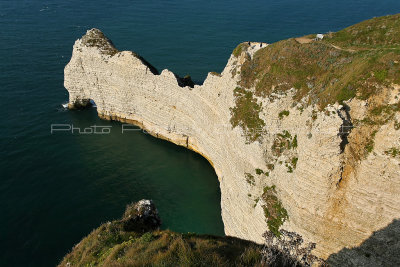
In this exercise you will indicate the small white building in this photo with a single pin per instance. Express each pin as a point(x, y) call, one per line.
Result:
point(319, 37)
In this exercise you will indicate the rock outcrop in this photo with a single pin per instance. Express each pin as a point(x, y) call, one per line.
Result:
point(141, 217)
point(329, 171)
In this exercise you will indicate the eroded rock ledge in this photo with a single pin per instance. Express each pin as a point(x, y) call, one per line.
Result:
point(294, 173)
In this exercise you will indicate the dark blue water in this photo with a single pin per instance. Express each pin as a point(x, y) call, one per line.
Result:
point(55, 188)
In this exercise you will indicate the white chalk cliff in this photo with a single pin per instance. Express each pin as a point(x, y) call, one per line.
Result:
point(331, 199)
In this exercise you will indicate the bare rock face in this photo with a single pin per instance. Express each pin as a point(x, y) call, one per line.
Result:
point(141, 216)
point(301, 162)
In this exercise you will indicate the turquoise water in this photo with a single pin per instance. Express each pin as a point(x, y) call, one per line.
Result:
point(54, 189)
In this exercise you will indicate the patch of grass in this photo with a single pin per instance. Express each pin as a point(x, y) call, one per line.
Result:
point(290, 168)
point(377, 32)
point(246, 114)
point(325, 73)
point(283, 113)
point(111, 245)
point(396, 125)
point(147, 237)
point(393, 152)
point(381, 75)
point(314, 115)
point(369, 147)
point(239, 49)
point(385, 110)
point(274, 211)
point(166, 249)
point(95, 38)
point(345, 93)
point(291, 165)
point(294, 142)
point(256, 201)
point(294, 162)
point(216, 74)
point(283, 141)
point(259, 171)
point(250, 179)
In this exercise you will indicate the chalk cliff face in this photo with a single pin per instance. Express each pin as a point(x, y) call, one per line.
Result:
point(283, 161)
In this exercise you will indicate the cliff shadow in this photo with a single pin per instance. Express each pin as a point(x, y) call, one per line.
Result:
point(382, 248)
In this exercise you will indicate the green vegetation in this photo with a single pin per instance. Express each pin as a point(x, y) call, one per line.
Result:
point(290, 168)
point(270, 166)
point(283, 113)
point(393, 152)
point(354, 62)
point(282, 142)
point(246, 114)
point(294, 142)
point(314, 115)
point(381, 75)
point(361, 61)
point(256, 201)
point(95, 38)
point(238, 50)
point(110, 245)
point(291, 165)
point(259, 172)
point(381, 32)
point(294, 162)
point(381, 114)
point(215, 74)
point(345, 94)
point(371, 142)
point(250, 179)
point(396, 125)
point(274, 211)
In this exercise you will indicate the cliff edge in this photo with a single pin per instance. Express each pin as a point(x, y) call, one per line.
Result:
point(303, 136)
point(136, 240)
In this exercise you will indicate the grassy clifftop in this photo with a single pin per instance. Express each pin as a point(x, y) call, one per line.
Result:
point(382, 32)
point(135, 240)
point(361, 61)
point(354, 62)
point(110, 246)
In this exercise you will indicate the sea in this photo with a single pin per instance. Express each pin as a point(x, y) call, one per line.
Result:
point(56, 187)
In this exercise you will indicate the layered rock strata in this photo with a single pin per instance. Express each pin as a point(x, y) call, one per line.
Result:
point(330, 197)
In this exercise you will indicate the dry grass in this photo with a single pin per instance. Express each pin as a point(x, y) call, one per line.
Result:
point(109, 245)
point(381, 32)
point(326, 74)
